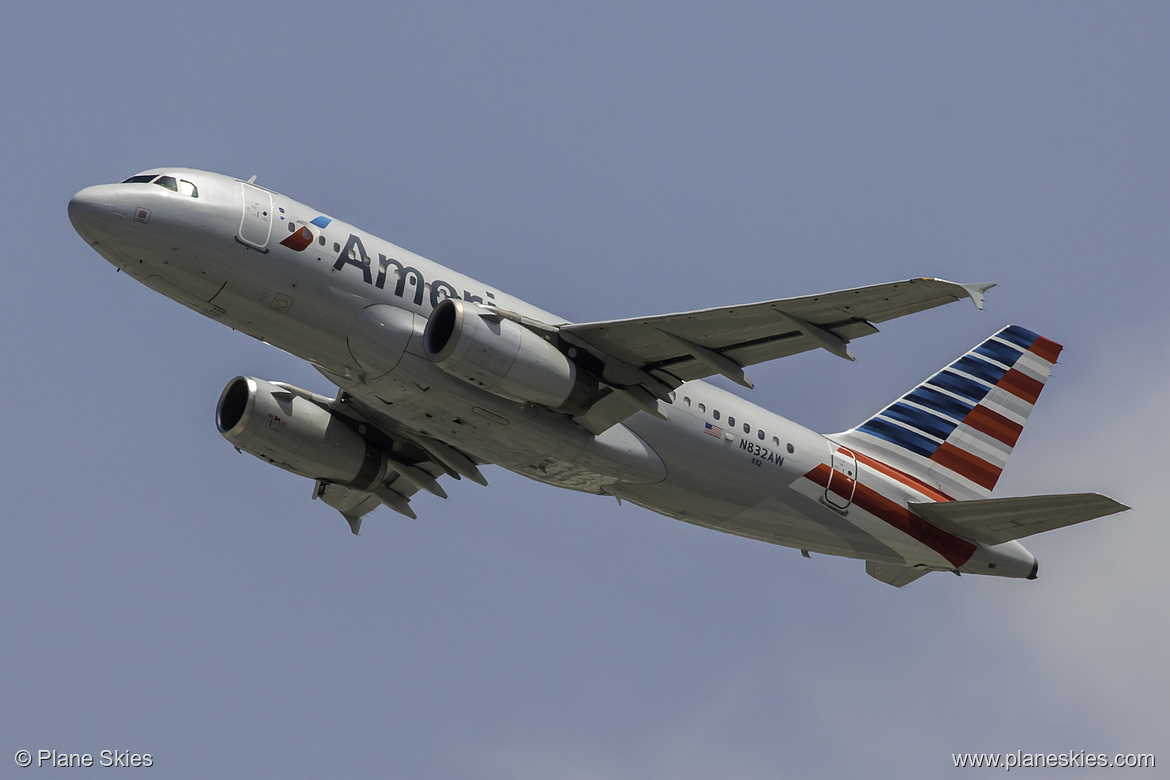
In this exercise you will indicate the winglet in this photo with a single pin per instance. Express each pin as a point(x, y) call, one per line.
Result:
point(976, 291)
point(355, 522)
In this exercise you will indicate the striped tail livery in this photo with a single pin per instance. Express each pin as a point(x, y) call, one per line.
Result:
point(947, 441)
point(957, 429)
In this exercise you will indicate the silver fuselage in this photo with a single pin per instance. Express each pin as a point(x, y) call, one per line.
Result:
point(747, 471)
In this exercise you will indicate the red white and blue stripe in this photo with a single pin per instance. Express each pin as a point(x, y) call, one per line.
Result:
point(957, 429)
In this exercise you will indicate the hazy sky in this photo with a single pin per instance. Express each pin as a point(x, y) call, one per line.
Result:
point(164, 595)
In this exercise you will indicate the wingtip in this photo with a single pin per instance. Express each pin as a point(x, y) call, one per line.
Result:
point(976, 292)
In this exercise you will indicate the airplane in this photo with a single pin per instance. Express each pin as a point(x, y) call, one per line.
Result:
point(438, 374)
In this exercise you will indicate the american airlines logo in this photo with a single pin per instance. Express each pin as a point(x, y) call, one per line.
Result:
point(354, 253)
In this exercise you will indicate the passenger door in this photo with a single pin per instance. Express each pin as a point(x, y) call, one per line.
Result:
point(256, 221)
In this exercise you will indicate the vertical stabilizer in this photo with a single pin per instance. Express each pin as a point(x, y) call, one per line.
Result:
point(957, 429)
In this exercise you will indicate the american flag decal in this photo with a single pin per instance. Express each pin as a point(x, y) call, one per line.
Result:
point(713, 430)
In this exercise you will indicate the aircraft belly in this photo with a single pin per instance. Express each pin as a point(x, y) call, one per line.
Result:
point(169, 268)
point(191, 276)
point(411, 390)
point(826, 533)
point(492, 434)
point(182, 295)
point(715, 483)
point(722, 492)
point(765, 518)
point(879, 510)
point(525, 438)
point(241, 288)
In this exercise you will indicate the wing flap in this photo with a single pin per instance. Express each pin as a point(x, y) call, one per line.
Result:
point(998, 520)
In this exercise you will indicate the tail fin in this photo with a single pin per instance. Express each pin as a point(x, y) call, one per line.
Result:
point(957, 429)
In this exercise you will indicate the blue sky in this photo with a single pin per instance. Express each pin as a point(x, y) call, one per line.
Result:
point(164, 595)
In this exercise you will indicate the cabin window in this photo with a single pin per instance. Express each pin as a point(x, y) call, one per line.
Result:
point(760, 435)
point(791, 449)
point(703, 408)
point(730, 422)
point(715, 414)
point(321, 240)
point(747, 428)
point(686, 401)
point(775, 441)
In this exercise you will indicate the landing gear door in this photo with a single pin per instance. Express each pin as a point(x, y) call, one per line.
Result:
point(842, 477)
point(256, 222)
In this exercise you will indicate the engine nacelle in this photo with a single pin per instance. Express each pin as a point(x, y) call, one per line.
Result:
point(504, 357)
point(286, 429)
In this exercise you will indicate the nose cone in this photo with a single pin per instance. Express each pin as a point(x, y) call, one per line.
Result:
point(91, 207)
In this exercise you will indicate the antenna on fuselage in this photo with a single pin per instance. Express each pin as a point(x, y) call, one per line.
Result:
point(253, 179)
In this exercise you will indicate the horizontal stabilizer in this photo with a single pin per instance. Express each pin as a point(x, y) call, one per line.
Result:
point(893, 574)
point(999, 520)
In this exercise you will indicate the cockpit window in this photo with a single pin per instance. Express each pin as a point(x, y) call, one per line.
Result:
point(182, 186)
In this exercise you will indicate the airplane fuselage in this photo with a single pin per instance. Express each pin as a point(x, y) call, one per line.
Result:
point(319, 288)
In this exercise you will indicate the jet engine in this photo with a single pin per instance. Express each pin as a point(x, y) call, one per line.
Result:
point(506, 358)
point(282, 425)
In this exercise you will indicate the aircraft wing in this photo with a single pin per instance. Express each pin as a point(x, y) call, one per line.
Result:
point(416, 462)
point(647, 357)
